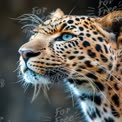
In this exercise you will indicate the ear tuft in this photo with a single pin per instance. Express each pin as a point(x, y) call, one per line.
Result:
point(57, 14)
point(112, 22)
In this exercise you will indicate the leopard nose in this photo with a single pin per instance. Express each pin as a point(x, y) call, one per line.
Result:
point(26, 54)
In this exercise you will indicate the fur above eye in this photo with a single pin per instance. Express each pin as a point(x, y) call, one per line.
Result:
point(65, 37)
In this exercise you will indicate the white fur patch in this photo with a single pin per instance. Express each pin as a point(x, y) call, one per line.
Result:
point(29, 77)
point(32, 77)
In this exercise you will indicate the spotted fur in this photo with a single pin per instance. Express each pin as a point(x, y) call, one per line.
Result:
point(83, 52)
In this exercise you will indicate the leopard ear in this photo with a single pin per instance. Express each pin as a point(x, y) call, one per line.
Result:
point(112, 22)
point(57, 14)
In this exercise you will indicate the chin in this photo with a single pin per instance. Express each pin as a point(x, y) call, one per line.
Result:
point(34, 78)
point(31, 77)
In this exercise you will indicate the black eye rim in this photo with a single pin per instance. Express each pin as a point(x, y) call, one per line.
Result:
point(59, 38)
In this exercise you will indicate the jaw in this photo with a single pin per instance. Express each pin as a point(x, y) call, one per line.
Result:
point(34, 78)
point(47, 77)
point(41, 75)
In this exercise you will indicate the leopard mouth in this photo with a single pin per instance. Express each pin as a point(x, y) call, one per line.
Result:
point(33, 77)
point(52, 75)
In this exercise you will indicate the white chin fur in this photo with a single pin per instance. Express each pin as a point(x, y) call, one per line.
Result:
point(34, 78)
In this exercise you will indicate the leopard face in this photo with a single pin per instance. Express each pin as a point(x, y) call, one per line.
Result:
point(68, 47)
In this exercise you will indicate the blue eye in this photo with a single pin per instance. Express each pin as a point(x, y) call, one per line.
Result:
point(65, 37)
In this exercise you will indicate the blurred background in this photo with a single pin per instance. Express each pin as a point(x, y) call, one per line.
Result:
point(15, 104)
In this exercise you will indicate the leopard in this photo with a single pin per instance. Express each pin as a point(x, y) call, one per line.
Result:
point(85, 54)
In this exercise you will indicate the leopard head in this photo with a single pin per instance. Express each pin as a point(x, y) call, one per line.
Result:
point(78, 49)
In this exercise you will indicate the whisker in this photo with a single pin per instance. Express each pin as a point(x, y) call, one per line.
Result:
point(39, 19)
point(26, 87)
point(72, 10)
point(96, 87)
point(30, 17)
point(44, 88)
point(72, 96)
point(28, 25)
point(16, 69)
point(114, 91)
point(91, 8)
point(109, 73)
point(36, 91)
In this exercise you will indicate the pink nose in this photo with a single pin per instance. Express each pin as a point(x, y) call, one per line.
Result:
point(26, 54)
